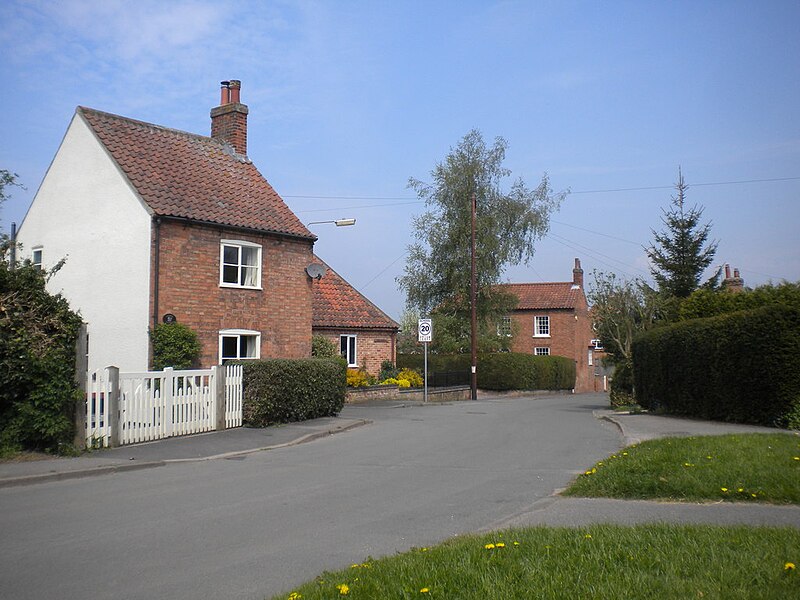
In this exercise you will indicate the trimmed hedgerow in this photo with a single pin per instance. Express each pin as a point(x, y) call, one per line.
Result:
point(503, 370)
point(740, 367)
point(518, 371)
point(290, 390)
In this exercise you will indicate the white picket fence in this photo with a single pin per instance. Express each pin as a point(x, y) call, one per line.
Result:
point(127, 408)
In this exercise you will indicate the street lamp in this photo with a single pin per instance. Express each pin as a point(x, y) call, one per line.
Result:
point(337, 222)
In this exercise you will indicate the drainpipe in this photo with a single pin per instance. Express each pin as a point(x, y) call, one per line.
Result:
point(157, 261)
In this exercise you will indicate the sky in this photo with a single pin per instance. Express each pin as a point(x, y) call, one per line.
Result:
point(348, 100)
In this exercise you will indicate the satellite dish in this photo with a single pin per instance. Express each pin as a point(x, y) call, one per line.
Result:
point(316, 271)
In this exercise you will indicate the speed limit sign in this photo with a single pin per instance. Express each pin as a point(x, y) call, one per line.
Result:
point(425, 330)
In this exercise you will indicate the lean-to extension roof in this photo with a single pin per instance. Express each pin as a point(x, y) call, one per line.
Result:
point(544, 296)
point(338, 305)
point(189, 176)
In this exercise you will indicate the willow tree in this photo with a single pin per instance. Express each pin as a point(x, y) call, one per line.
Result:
point(508, 223)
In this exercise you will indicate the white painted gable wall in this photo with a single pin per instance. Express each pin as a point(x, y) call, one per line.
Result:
point(85, 211)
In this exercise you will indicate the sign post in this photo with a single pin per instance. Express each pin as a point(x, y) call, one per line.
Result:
point(425, 334)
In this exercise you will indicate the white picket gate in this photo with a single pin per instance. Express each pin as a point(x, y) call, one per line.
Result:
point(126, 408)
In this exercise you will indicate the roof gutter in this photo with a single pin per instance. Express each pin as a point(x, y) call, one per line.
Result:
point(293, 236)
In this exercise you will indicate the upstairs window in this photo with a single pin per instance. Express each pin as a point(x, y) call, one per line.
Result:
point(240, 264)
point(347, 344)
point(238, 344)
point(36, 257)
point(541, 326)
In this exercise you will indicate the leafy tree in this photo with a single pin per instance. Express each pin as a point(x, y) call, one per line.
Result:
point(7, 179)
point(174, 345)
point(437, 272)
point(681, 254)
point(620, 310)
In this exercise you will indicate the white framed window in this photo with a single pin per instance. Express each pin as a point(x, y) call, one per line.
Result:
point(239, 344)
point(347, 346)
point(239, 264)
point(541, 326)
point(596, 344)
point(504, 327)
point(591, 357)
point(36, 257)
point(542, 351)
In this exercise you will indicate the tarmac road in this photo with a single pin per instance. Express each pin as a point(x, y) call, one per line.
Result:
point(257, 524)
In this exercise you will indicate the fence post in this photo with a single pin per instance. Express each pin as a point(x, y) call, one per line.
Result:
point(81, 368)
point(220, 396)
point(112, 408)
point(166, 395)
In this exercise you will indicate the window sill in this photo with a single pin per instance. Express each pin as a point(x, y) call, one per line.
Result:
point(541, 337)
point(233, 286)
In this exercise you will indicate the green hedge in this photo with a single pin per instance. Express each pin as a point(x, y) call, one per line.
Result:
point(38, 332)
point(740, 367)
point(286, 391)
point(503, 370)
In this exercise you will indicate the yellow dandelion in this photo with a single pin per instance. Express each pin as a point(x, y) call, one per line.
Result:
point(594, 470)
point(354, 566)
point(789, 566)
point(740, 490)
point(516, 543)
point(424, 591)
point(797, 457)
point(500, 545)
point(753, 495)
point(724, 489)
point(489, 546)
point(588, 536)
point(294, 596)
point(343, 588)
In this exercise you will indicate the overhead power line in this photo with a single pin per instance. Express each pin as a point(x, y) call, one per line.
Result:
point(410, 200)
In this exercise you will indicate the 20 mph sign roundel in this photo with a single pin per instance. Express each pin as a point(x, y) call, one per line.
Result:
point(425, 330)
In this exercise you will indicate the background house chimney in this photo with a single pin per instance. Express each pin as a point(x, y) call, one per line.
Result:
point(732, 284)
point(577, 274)
point(229, 119)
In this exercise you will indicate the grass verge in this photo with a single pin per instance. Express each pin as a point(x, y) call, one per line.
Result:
point(602, 561)
point(744, 467)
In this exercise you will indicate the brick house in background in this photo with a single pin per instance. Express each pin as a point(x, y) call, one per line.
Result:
point(156, 222)
point(365, 335)
point(554, 319)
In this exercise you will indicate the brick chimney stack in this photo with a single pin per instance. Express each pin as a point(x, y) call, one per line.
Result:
point(229, 119)
point(733, 284)
point(577, 274)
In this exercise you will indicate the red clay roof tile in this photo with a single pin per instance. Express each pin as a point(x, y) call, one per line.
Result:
point(337, 304)
point(189, 176)
point(538, 296)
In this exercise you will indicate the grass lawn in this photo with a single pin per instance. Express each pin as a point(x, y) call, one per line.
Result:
point(602, 562)
point(741, 468)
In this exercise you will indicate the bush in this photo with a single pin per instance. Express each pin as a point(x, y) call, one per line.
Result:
point(286, 391)
point(38, 332)
point(740, 367)
point(621, 393)
point(359, 378)
point(388, 371)
point(322, 347)
point(413, 378)
point(174, 345)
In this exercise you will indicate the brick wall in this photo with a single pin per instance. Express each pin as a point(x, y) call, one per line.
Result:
point(372, 347)
point(189, 276)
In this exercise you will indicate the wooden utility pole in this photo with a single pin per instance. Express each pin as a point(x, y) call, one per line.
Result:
point(473, 309)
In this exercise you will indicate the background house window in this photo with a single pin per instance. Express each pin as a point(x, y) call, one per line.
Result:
point(240, 264)
point(504, 327)
point(545, 351)
point(36, 257)
point(348, 349)
point(541, 326)
point(236, 344)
